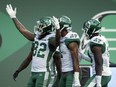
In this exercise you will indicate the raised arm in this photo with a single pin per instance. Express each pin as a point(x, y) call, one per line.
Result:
point(57, 29)
point(12, 13)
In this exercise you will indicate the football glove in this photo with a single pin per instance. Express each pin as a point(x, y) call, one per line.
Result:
point(15, 75)
point(76, 80)
point(10, 11)
point(55, 23)
point(98, 81)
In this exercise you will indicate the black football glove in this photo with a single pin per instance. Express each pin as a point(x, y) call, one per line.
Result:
point(15, 75)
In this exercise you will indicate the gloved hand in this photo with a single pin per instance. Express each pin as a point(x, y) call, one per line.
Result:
point(55, 23)
point(15, 75)
point(98, 81)
point(76, 80)
point(10, 11)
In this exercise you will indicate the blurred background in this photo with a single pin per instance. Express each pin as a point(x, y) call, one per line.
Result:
point(14, 48)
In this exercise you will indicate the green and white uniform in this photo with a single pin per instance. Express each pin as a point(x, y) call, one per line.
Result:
point(106, 73)
point(42, 55)
point(66, 59)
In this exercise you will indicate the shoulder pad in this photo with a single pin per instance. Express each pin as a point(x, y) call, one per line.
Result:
point(72, 35)
point(97, 40)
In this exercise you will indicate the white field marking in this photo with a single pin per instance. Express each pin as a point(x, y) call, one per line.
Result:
point(108, 30)
point(112, 49)
point(111, 39)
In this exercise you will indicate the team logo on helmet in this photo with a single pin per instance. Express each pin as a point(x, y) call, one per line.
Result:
point(44, 25)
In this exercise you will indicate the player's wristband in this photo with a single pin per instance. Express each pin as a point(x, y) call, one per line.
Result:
point(76, 79)
point(98, 79)
point(76, 74)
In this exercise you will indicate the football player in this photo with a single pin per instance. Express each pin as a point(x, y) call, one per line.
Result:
point(43, 47)
point(69, 43)
point(99, 54)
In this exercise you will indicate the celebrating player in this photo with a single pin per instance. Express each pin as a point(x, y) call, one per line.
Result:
point(43, 47)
